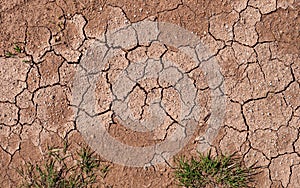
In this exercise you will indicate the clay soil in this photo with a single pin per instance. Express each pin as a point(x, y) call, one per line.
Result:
point(257, 46)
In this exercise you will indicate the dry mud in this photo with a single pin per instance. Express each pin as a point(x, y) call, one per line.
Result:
point(256, 44)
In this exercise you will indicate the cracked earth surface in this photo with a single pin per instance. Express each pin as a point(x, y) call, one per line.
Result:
point(256, 44)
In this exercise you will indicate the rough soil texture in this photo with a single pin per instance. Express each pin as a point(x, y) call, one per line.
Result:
point(256, 43)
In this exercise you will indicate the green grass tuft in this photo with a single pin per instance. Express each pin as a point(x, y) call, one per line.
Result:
point(208, 171)
point(58, 171)
point(18, 49)
point(9, 54)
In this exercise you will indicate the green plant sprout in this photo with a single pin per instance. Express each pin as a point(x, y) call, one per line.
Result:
point(208, 171)
point(57, 171)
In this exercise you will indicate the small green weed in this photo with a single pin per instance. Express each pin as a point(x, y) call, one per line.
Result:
point(56, 171)
point(208, 171)
point(26, 61)
point(18, 49)
point(9, 54)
